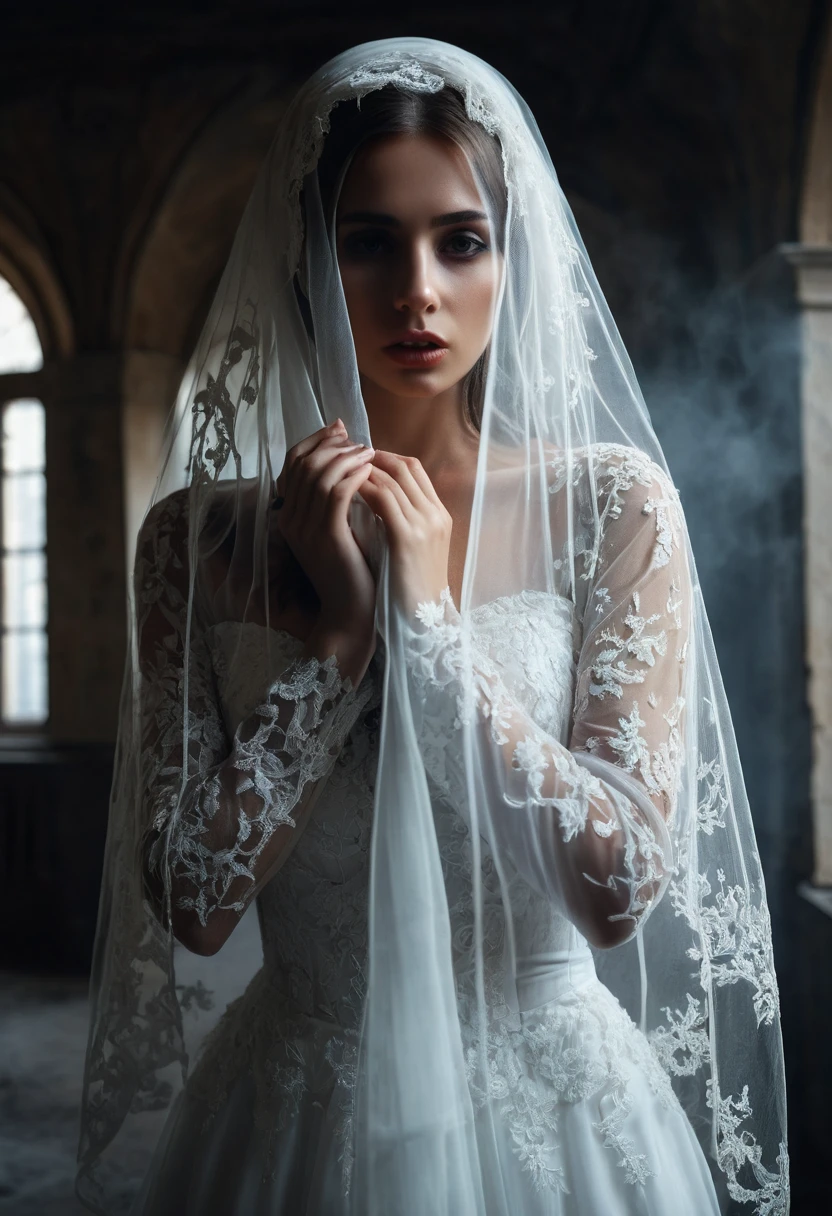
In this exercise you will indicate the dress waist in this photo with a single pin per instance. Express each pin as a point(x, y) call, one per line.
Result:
point(551, 975)
point(541, 978)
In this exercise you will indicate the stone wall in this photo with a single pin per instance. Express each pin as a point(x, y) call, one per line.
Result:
point(129, 144)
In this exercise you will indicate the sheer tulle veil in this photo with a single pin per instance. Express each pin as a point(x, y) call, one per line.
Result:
point(565, 445)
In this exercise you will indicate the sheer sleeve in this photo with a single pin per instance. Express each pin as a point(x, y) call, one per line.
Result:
point(585, 824)
point(219, 821)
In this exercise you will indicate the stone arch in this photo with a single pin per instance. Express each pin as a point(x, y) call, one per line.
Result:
point(173, 275)
point(26, 263)
point(189, 237)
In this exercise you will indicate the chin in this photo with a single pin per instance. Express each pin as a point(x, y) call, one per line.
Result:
point(417, 384)
point(418, 387)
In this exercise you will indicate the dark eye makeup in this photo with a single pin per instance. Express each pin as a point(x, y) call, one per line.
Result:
point(474, 243)
point(367, 243)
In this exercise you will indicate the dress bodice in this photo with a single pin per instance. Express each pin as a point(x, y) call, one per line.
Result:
point(568, 748)
point(313, 913)
point(531, 636)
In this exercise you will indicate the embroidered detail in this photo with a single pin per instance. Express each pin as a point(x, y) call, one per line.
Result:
point(614, 470)
point(610, 672)
point(581, 791)
point(434, 613)
point(738, 1150)
point(664, 533)
point(293, 1059)
point(583, 1045)
point(682, 1046)
point(733, 936)
point(215, 411)
point(739, 932)
point(628, 743)
point(212, 822)
point(674, 603)
point(405, 72)
point(436, 659)
point(713, 798)
point(635, 1166)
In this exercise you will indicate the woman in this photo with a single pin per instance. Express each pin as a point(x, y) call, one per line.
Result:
point(441, 699)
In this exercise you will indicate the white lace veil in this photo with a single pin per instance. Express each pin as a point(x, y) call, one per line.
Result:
point(634, 825)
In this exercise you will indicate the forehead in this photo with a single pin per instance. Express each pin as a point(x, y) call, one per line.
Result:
point(410, 175)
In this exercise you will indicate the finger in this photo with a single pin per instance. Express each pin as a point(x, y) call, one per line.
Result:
point(318, 472)
point(419, 474)
point(335, 430)
point(383, 502)
point(413, 479)
point(341, 464)
point(344, 492)
point(297, 476)
point(308, 444)
point(329, 479)
point(382, 477)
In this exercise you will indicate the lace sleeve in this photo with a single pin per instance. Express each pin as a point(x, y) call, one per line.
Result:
point(585, 824)
point(218, 823)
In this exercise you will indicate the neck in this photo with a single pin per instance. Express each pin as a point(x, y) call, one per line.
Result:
point(433, 429)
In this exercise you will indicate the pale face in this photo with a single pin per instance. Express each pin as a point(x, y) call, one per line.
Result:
point(415, 254)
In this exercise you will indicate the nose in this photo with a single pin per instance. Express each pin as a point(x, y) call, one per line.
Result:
point(416, 290)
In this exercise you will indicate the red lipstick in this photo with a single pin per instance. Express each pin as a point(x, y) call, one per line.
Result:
point(418, 348)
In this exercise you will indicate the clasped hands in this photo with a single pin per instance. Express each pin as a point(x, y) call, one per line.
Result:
point(319, 478)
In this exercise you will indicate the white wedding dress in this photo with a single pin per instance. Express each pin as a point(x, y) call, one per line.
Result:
point(430, 1033)
point(585, 1116)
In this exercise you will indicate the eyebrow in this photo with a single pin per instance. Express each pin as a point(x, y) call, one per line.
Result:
point(390, 221)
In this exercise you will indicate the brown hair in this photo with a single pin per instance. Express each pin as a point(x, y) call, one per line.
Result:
point(394, 111)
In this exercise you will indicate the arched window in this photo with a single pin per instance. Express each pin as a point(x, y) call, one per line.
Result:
point(20, 349)
point(23, 601)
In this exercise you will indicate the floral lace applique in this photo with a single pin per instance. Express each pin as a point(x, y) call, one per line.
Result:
point(213, 821)
point(405, 72)
point(579, 1046)
point(738, 1150)
point(682, 1046)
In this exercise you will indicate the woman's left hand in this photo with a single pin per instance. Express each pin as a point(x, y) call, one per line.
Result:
point(418, 526)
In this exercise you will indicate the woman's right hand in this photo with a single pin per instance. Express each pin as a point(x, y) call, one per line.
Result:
point(317, 483)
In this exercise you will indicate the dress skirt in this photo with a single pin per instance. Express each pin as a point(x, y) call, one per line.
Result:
point(628, 1150)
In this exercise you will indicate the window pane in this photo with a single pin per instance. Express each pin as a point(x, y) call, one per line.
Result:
point(24, 511)
point(24, 590)
point(19, 343)
point(25, 690)
point(24, 446)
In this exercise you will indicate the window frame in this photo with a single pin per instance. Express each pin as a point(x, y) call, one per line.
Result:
point(20, 386)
